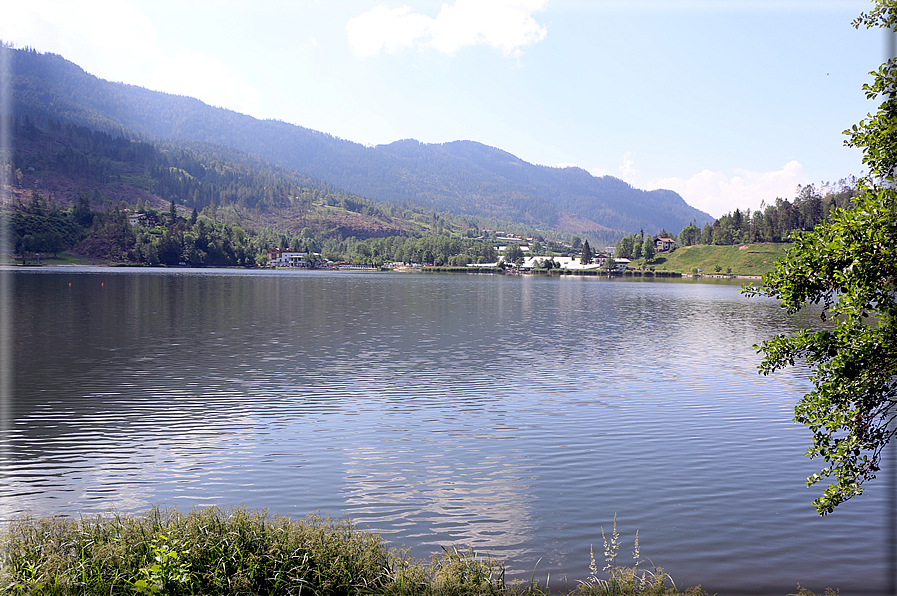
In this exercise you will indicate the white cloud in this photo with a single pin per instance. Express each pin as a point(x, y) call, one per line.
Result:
point(718, 193)
point(390, 29)
point(507, 25)
point(628, 171)
point(114, 40)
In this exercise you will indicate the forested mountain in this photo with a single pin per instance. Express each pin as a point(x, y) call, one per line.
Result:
point(608, 200)
point(461, 177)
point(73, 188)
point(69, 161)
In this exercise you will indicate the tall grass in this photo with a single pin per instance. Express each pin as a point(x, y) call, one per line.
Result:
point(627, 581)
point(241, 552)
point(206, 551)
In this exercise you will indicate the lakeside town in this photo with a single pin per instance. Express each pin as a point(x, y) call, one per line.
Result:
point(515, 256)
point(121, 237)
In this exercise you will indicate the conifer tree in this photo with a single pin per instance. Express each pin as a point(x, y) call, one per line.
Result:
point(586, 253)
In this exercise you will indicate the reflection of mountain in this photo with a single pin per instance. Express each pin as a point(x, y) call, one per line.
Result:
point(431, 485)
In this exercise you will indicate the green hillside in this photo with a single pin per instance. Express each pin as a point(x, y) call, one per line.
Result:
point(747, 259)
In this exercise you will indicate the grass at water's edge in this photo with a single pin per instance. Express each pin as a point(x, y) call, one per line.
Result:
point(241, 552)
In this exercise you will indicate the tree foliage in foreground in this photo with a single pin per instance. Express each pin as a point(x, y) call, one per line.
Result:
point(847, 264)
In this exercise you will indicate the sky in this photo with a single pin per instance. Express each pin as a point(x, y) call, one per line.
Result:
point(730, 103)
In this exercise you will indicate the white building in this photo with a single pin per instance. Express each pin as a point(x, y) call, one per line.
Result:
point(289, 259)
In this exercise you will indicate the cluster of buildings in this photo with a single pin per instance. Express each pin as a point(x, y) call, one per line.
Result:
point(569, 263)
point(282, 258)
point(575, 263)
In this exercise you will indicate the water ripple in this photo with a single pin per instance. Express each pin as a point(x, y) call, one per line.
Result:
point(516, 415)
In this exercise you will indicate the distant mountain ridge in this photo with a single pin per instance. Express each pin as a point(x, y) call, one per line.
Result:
point(461, 177)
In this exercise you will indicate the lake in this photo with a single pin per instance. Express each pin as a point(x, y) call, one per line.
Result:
point(514, 414)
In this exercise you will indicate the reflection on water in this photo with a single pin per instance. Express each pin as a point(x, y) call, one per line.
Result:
point(513, 414)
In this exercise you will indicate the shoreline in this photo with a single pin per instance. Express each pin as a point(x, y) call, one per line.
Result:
point(562, 273)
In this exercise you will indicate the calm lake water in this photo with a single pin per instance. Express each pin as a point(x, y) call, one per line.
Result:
point(513, 414)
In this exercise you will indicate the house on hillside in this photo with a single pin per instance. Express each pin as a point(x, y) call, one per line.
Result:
point(663, 244)
point(503, 247)
point(142, 219)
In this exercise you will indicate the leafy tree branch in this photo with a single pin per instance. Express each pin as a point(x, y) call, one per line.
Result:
point(847, 265)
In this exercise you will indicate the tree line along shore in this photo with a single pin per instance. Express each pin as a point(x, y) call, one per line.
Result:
point(41, 232)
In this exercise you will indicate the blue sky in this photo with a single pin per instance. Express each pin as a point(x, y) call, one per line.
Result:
point(728, 102)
